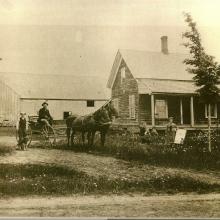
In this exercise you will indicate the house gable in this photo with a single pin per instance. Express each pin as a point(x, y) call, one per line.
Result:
point(154, 65)
point(124, 87)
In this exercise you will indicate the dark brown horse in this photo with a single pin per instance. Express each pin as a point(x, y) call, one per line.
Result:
point(100, 121)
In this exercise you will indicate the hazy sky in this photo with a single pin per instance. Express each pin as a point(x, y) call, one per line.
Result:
point(110, 12)
point(82, 36)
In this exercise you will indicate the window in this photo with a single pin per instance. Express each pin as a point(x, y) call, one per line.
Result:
point(161, 109)
point(132, 106)
point(122, 74)
point(116, 103)
point(213, 108)
point(90, 103)
point(66, 114)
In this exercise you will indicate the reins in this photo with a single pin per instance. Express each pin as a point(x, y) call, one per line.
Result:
point(107, 102)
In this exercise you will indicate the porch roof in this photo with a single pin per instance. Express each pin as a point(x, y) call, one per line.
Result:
point(149, 86)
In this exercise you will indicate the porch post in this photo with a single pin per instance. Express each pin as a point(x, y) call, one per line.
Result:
point(192, 111)
point(152, 110)
point(181, 111)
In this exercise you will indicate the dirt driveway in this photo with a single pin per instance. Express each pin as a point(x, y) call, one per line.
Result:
point(113, 206)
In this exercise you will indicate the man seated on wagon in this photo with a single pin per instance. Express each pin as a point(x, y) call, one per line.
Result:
point(44, 115)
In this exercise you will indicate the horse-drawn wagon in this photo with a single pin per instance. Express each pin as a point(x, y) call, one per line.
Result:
point(42, 132)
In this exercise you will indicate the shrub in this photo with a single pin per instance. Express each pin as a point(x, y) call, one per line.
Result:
point(193, 153)
point(6, 148)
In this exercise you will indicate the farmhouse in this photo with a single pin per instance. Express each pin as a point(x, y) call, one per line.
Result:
point(65, 94)
point(153, 86)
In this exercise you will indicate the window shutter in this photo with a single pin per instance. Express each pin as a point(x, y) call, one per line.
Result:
point(122, 74)
point(116, 104)
point(132, 106)
point(213, 108)
point(161, 108)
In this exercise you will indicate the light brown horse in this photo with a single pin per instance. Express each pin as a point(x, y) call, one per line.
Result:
point(100, 121)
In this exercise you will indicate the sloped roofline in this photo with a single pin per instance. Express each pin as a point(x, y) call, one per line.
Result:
point(116, 64)
point(180, 80)
point(114, 69)
point(72, 91)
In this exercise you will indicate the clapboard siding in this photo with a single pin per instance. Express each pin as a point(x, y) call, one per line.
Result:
point(122, 89)
point(58, 107)
point(9, 103)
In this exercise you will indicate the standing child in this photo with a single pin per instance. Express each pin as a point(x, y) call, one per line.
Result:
point(21, 127)
point(170, 131)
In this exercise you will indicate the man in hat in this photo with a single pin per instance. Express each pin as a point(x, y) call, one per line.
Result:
point(22, 126)
point(44, 115)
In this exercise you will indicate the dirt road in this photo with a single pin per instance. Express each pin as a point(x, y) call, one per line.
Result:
point(113, 206)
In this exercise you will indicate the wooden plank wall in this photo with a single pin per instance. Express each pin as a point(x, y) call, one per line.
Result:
point(9, 103)
point(122, 90)
point(58, 107)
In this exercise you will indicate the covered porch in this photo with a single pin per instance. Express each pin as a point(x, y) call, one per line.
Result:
point(186, 110)
point(160, 99)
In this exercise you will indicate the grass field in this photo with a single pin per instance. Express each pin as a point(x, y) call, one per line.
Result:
point(35, 179)
point(83, 181)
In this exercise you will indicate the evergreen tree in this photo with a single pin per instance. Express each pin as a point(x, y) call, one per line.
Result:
point(204, 68)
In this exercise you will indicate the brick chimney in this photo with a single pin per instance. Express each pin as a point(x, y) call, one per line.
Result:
point(164, 44)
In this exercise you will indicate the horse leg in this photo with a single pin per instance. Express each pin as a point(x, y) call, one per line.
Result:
point(68, 136)
point(72, 138)
point(92, 138)
point(103, 134)
point(83, 137)
point(88, 137)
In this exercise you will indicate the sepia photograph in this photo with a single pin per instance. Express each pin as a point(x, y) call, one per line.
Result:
point(110, 108)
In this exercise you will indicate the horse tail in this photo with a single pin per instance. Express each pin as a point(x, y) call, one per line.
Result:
point(69, 122)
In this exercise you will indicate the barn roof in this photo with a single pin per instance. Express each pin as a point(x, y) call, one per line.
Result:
point(147, 64)
point(33, 86)
point(149, 86)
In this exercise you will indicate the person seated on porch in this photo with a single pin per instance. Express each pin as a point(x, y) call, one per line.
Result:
point(170, 131)
point(44, 115)
point(153, 131)
point(144, 133)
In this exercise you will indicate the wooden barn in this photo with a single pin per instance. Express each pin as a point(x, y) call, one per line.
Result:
point(153, 86)
point(65, 94)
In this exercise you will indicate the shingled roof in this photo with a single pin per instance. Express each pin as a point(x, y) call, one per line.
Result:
point(149, 86)
point(154, 65)
point(39, 86)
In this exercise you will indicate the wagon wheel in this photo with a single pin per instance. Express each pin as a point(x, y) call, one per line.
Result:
point(28, 137)
point(49, 136)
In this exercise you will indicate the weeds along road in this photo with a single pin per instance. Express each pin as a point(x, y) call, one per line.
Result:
point(113, 206)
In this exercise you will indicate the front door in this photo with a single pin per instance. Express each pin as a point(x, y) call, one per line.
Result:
point(186, 110)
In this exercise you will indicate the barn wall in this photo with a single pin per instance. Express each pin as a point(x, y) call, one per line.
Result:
point(122, 90)
point(58, 107)
point(9, 104)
